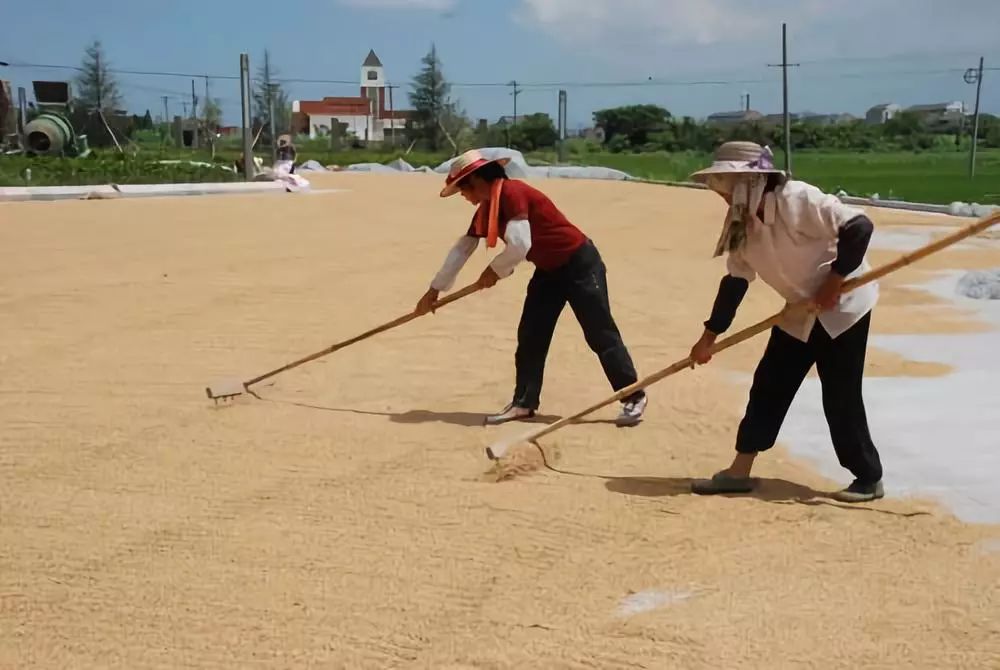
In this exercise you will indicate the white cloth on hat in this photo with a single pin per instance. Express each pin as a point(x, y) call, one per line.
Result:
point(745, 192)
point(793, 251)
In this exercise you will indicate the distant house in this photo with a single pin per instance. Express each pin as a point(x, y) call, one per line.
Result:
point(779, 119)
point(941, 114)
point(734, 118)
point(370, 116)
point(510, 119)
point(828, 119)
point(882, 113)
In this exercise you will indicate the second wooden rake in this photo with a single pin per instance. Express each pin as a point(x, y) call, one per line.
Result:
point(498, 449)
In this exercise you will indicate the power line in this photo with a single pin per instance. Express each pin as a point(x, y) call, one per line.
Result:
point(651, 82)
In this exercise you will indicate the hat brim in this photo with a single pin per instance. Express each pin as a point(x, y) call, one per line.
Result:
point(451, 187)
point(701, 176)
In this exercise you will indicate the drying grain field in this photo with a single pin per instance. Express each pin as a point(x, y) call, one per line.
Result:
point(348, 517)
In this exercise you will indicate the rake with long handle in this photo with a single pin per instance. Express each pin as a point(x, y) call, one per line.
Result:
point(231, 389)
point(497, 450)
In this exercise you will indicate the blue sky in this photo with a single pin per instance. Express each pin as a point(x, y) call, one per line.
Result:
point(853, 53)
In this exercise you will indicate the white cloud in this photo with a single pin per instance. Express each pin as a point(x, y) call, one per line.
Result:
point(437, 5)
point(665, 22)
point(671, 34)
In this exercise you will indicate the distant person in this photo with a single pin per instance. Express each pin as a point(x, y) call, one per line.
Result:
point(285, 163)
point(568, 269)
point(804, 244)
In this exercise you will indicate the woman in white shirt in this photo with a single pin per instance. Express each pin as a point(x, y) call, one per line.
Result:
point(803, 243)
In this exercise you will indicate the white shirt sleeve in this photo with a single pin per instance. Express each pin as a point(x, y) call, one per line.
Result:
point(738, 267)
point(518, 243)
point(454, 262)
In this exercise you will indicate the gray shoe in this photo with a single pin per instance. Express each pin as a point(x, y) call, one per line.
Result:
point(722, 483)
point(859, 492)
point(631, 414)
point(509, 413)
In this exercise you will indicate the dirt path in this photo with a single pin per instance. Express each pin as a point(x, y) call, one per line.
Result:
point(345, 520)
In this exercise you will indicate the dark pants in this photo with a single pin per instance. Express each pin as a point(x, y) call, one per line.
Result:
point(582, 282)
point(840, 363)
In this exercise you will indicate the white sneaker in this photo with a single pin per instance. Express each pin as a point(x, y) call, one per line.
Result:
point(510, 413)
point(631, 414)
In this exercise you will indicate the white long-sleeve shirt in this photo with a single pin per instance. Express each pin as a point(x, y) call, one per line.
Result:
point(517, 244)
point(793, 252)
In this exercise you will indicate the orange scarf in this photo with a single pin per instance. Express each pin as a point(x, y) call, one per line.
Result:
point(487, 221)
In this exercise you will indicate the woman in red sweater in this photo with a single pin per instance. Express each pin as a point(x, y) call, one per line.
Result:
point(568, 269)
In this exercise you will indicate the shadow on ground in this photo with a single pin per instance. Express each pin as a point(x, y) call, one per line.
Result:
point(770, 490)
point(414, 416)
point(777, 491)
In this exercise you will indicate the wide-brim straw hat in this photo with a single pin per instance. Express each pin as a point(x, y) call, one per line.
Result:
point(465, 165)
point(739, 158)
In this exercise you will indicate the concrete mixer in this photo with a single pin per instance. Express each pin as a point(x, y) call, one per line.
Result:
point(52, 134)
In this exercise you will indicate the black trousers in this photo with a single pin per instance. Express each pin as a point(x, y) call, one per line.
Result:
point(840, 364)
point(582, 282)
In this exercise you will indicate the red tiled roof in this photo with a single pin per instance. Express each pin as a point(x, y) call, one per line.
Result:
point(356, 106)
point(333, 106)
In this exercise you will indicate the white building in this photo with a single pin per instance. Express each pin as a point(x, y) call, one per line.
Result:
point(370, 117)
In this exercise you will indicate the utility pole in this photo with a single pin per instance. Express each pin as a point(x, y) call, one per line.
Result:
point(248, 166)
point(784, 76)
point(22, 112)
point(194, 116)
point(517, 92)
point(166, 110)
point(392, 116)
point(562, 126)
point(975, 76)
point(270, 107)
point(270, 125)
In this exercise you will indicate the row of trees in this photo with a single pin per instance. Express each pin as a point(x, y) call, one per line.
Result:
point(652, 128)
point(97, 88)
point(439, 122)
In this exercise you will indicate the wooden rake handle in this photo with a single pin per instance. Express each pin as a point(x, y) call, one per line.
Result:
point(450, 298)
point(497, 450)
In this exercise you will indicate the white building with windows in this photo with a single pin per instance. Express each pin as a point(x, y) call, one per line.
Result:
point(369, 117)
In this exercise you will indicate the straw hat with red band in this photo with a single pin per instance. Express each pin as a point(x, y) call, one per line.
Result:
point(465, 165)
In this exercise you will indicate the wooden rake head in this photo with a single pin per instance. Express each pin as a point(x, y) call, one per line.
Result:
point(226, 390)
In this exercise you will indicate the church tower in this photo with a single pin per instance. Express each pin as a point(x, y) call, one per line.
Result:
point(373, 85)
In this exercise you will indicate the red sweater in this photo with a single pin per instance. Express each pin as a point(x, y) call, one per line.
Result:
point(553, 237)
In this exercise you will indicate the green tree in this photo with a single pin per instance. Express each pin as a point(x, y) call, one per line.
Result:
point(267, 92)
point(431, 102)
point(634, 123)
point(903, 124)
point(97, 88)
point(533, 131)
point(212, 113)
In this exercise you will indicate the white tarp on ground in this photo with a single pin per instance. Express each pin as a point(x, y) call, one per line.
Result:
point(980, 285)
point(370, 167)
point(311, 166)
point(107, 191)
point(949, 452)
point(401, 165)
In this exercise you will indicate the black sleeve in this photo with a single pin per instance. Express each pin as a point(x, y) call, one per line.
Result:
point(852, 244)
point(727, 301)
